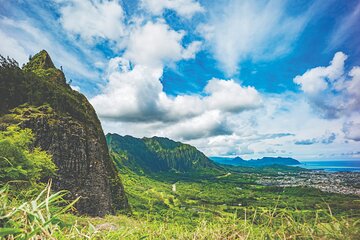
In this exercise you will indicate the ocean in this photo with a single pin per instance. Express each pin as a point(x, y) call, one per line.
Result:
point(332, 166)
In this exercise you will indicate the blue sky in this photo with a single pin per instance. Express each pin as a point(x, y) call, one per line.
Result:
point(247, 78)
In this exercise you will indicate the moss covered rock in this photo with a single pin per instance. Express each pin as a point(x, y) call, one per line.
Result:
point(66, 126)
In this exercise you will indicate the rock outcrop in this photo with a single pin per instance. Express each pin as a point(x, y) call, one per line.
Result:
point(65, 125)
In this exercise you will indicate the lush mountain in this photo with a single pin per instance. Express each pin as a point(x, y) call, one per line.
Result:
point(265, 161)
point(156, 154)
point(66, 126)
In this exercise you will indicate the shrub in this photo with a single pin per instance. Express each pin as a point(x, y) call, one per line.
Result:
point(19, 161)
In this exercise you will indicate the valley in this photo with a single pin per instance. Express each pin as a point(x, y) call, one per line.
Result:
point(206, 205)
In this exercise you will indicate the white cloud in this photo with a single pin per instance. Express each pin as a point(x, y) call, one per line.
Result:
point(209, 123)
point(131, 93)
point(154, 44)
point(12, 48)
point(251, 134)
point(230, 96)
point(262, 132)
point(136, 94)
point(352, 130)
point(251, 30)
point(93, 19)
point(226, 119)
point(318, 79)
point(25, 39)
point(330, 90)
point(184, 8)
point(191, 50)
point(353, 88)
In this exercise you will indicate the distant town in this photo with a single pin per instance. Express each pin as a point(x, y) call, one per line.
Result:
point(339, 182)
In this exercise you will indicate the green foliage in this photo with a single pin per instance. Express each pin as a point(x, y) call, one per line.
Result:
point(38, 84)
point(163, 215)
point(38, 97)
point(37, 218)
point(19, 161)
point(44, 217)
point(219, 203)
point(203, 205)
point(41, 60)
point(151, 155)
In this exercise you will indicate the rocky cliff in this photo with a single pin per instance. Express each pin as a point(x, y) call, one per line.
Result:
point(65, 125)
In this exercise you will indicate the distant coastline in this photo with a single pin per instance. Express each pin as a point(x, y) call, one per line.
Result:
point(332, 165)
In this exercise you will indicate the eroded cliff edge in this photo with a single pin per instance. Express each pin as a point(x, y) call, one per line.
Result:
point(66, 125)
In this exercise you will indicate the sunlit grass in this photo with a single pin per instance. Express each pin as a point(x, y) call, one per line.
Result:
point(44, 217)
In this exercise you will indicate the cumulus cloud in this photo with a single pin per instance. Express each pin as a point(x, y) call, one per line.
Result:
point(92, 19)
point(134, 91)
point(131, 94)
point(209, 123)
point(251, 30)
point(230, 96)
point(136, 94)
point(253, 133)
point(331, 91)
point(184, 8)
point(154, 44)
point(318, 79)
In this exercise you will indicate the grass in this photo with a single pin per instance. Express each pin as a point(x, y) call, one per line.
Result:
point(33, 219)
point(194, 211)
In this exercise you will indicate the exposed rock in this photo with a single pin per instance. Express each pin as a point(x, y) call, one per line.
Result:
point(66, 126)
point(106, 227)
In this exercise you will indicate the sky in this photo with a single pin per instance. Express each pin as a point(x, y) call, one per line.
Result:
point(233, 78)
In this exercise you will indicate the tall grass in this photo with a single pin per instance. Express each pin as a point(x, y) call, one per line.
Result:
point(33, 219)
point(45, 217)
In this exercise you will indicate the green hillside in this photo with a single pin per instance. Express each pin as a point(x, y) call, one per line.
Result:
point(156, 154)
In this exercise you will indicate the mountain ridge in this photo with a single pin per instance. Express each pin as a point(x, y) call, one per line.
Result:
point(265, 161)
point(156, 154)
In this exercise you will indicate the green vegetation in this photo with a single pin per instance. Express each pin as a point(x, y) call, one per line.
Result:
point(64, 124)
point(228, 203)
point(33, 219)
point(206, 204)
point(192, 211)
point(20, 162)
point(156, 154)
point(39, 83)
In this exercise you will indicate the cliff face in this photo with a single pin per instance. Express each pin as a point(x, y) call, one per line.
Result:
point(65, 125)
point(156, 154)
